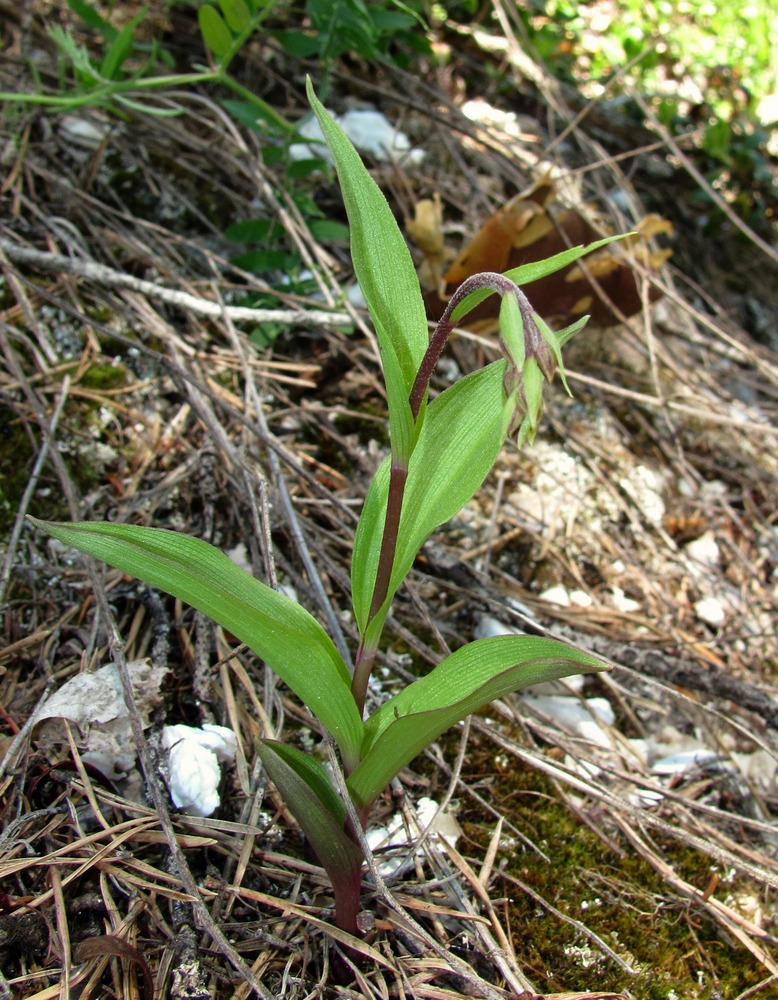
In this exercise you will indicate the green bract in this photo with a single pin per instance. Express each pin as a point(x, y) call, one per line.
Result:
point(440, 455)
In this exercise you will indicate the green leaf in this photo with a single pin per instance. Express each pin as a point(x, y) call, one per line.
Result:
point(512, 331)
point(266, 333)
point(120, 48)
point(261, 261)
point(310, 771)
point(556, 341)
point(216, 35)
point(562, 337)
point(385, 272)
point(257, 116)
point(284, 634)
point(298, 43)
point(253, 230)
point(315, 804)
point(390, 21)
point(300, 169)
point(93, 19)
point(533, 271)
point(236, 14)
point(367, 544)
point(527, 273)
point(328, 229)
point(463, 431)
point(465, 681)
point(717, 141)
point(306, 203)
point(86, 74)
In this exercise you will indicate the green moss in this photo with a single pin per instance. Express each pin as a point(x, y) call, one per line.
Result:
point(103, 314)
point(102, 376)
point(674, 947)
point(18, 450)
point(16, 459)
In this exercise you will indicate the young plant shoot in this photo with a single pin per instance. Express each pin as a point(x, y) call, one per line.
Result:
point(441, 452)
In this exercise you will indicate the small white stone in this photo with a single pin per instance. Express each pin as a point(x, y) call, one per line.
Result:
point(489, 627)
point(193, 765)
point(684, 760)
point(581, 718)
point(557, 594)
point(646, 798)
point(704, 550)
point(759, 767)
point(370, 131)
point(443, 822)
point(288, 591)
point(686, 488)
point(194, 778)
point(240, 556)
point(83, 132)
point(644, 486)
point(448, 369)
point(221, 740)
point(394, 835)
point(714, 489)
point(623, 603)
point(640, 748)
point(711, 611)
point(356, 296)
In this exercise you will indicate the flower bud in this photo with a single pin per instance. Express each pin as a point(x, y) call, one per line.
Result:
point(533, 354)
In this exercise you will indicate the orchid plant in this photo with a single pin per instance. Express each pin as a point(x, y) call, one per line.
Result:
point(441, 452)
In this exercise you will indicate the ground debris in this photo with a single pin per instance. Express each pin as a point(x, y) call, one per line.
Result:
point(614, 833)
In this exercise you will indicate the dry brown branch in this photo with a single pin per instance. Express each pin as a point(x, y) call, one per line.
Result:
point(91, 271)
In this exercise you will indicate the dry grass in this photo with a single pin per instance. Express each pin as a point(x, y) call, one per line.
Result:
point(146, 404)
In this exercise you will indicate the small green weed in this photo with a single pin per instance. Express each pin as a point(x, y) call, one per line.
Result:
point(372, 31)
point(267, 247)
point(125, 77)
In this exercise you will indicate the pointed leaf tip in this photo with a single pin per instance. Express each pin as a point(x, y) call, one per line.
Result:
point(465, 681)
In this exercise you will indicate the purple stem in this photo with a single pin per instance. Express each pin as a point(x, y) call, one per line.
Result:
point(398, 476)
point(348, 892)
point(486, 279)
point(365, 658)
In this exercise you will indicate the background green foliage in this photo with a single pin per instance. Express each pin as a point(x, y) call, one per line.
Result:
point(332, 28)
point(709, 70)
point(688, 49)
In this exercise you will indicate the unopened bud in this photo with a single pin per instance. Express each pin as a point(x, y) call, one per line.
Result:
point(533, 353)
